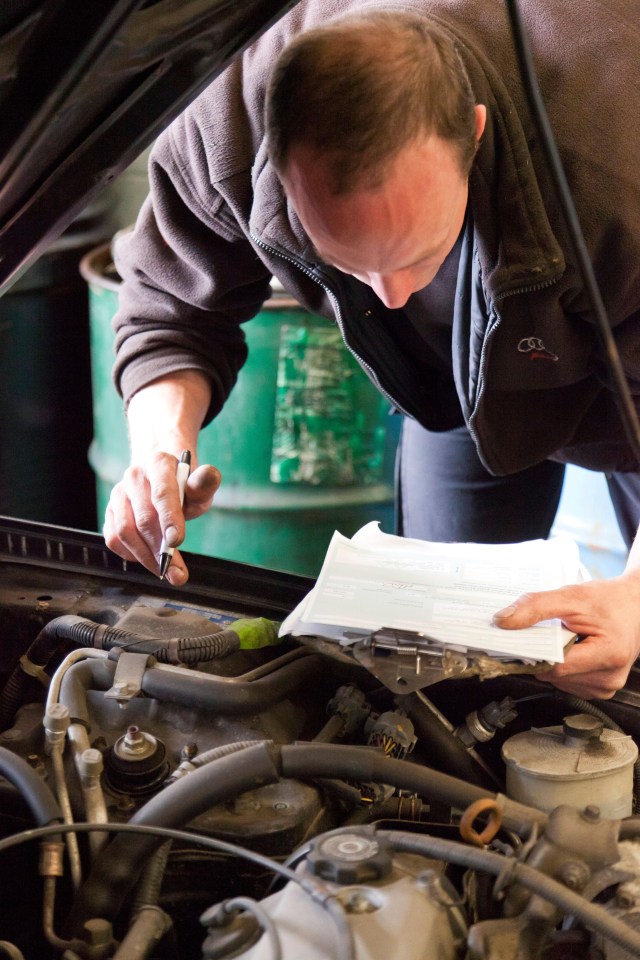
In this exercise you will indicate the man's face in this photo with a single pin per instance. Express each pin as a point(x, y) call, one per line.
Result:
point(395, 237)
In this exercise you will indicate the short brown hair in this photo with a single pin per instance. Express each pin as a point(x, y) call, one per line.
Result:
point(359, 88)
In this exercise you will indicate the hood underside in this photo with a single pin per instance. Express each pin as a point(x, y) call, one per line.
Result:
point(84, 88)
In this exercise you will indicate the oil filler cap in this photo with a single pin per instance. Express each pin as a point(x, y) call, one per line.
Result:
point(350, 856)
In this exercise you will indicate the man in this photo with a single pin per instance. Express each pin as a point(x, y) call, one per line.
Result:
point(395, 182)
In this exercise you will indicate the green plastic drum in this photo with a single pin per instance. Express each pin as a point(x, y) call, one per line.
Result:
point(305, 443)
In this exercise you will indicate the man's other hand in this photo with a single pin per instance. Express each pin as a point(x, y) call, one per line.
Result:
point(605, 614)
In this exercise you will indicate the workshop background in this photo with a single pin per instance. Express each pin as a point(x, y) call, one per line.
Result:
point(305, 443)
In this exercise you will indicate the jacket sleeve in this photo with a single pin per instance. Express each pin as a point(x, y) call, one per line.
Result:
point(190, 277)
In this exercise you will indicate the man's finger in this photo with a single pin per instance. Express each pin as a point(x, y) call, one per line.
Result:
point(123, 531)
point(165, 497)
point(201, 487)
point(531, 608)
point(177, 574)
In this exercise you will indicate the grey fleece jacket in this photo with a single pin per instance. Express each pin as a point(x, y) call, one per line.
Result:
point(528, 372)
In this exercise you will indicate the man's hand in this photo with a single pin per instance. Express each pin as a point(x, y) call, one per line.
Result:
point(164, 419)
point(605, 613)
point(146, 504)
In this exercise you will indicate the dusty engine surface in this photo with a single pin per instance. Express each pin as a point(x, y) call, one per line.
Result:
point(175, 783)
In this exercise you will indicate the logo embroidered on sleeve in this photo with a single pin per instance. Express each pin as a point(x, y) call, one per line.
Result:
point(536, 349)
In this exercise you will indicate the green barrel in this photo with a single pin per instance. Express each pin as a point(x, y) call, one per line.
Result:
point(305, 443)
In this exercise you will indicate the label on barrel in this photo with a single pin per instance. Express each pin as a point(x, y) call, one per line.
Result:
point(329, 426)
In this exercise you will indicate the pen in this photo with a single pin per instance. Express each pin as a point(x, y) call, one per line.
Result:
point(182, 472)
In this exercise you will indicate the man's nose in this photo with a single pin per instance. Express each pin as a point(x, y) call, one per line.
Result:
point(394, 289)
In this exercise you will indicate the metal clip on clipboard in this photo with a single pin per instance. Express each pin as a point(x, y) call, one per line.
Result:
point(405, 661)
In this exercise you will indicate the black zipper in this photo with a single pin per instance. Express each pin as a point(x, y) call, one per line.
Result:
point(301, 265)
point(531, 288)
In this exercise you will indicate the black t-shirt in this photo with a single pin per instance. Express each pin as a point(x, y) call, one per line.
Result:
point(430, 311)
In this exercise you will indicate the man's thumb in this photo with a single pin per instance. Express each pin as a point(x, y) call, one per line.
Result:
point(520, 613)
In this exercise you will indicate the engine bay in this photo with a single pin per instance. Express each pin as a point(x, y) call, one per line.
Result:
point(176, 782)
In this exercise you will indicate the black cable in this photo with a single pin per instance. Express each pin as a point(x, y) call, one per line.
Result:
point(67, 628)
point(621, 390)
point(185, 651)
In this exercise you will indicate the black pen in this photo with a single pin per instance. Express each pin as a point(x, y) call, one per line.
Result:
point(182, 473)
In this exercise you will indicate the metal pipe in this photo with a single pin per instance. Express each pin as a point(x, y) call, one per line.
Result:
point(89, 766)
point(73, 850)
point(95, 807)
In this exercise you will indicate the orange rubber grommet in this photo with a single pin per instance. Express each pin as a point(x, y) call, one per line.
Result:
point(469, 833)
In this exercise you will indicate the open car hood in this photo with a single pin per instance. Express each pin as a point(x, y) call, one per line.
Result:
point(84, 88)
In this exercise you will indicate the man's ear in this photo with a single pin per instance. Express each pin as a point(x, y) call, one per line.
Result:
point(481, 119)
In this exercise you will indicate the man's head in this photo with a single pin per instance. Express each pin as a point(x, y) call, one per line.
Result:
point(372, 127)
point(360, 87)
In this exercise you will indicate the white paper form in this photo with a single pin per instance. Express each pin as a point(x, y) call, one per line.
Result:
point(447, 591)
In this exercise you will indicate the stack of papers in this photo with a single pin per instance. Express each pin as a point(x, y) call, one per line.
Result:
point(445, 593)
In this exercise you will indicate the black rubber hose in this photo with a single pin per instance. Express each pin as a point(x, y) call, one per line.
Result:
point(36, 658)
point(229, 696)
point(367, 764)
point(395, 808)
point(11, 697)
point(188, 766)
point(629, 828)
point(117, 870)
point(309, 761)
point(32, 787)
point(445, 751)
point(202, 690)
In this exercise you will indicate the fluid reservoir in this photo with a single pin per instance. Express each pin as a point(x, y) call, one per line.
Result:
point(579, 763)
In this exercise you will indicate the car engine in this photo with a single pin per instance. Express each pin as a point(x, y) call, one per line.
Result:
point(175, 782)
